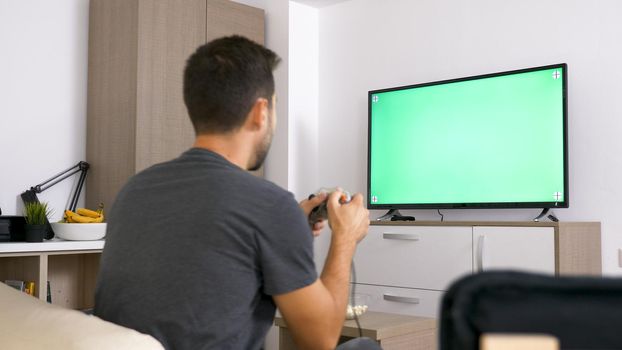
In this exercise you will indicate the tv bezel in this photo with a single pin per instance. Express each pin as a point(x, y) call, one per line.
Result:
point(484, 205)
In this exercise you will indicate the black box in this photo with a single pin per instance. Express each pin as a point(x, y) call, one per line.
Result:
point(12, 228)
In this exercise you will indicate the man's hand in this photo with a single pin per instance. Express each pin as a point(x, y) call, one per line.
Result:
point(350, 219)
point(308, 204)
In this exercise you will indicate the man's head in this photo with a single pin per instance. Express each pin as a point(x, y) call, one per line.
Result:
point(223, 81)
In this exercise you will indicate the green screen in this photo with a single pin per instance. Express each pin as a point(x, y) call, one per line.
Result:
point(486, 140)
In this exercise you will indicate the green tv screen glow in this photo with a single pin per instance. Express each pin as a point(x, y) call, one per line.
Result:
point(490, 141)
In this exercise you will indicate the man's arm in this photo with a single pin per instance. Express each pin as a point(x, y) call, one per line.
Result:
point(315, 313)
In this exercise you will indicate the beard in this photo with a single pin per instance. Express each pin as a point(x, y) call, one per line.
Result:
point(261, 151)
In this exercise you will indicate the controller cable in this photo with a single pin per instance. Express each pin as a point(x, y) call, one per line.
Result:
point(441, 214)
point(352, 291)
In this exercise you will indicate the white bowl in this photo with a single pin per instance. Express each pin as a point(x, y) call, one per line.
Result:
point(79, 232)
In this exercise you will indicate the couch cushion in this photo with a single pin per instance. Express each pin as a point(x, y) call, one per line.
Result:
point(29, 323)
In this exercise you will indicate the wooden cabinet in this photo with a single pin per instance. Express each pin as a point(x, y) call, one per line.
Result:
point(405, 267)
point(70, 266)
point(136, 116)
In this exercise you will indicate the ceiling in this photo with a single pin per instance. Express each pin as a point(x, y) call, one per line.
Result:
point(319, 3)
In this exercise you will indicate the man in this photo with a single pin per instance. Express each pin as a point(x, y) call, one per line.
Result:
point(199, 251)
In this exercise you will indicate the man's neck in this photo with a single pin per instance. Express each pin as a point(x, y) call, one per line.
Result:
point(231, 146)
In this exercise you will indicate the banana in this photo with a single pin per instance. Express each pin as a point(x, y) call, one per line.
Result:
point(68, 215)
point(88, 213)
point(85, 216)
point(84, 219)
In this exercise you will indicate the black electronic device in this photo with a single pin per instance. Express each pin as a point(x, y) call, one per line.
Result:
point(489, 141)
point(12, 228)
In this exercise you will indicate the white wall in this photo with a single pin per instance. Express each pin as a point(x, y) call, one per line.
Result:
point(43, 70)
point(277, 39)
point(368, 44)
point(303, 100)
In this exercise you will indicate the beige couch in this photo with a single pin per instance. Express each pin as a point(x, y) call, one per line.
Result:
point(29, 323)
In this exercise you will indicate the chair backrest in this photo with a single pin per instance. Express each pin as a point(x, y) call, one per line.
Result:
point(582, 312)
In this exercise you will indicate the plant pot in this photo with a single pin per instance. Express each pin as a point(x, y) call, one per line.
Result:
point(35, 233)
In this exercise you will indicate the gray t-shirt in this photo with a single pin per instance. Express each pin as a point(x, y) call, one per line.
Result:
point(195, 248)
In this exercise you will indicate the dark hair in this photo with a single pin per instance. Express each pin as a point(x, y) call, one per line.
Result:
point(222, 81)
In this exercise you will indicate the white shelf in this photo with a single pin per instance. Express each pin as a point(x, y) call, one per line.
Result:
point(52, 245)
point(69, 266)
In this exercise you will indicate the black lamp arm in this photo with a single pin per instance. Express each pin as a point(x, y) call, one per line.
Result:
point(76, 194)
point(82, 167)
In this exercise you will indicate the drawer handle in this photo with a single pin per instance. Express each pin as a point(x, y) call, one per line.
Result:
point(481, 244)
point(400, 236)
point(399, 299)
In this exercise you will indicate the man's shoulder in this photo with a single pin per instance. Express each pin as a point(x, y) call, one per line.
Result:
point(260, 191)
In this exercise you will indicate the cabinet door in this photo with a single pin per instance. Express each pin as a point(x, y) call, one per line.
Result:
point(522, 248)
point(169, 31)
point(414, 256)
point(226, 17)
point(404, 301)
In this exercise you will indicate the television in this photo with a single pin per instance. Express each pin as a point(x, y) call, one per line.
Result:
point(488, 141)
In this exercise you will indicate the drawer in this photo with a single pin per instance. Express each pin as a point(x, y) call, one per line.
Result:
point(425, 257)
point(405, 301)
point(516, 248)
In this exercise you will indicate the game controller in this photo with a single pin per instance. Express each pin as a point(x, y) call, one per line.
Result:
point(320, 212)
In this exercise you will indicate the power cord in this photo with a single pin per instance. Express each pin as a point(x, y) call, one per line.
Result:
point(441, 214)
point(352, 292)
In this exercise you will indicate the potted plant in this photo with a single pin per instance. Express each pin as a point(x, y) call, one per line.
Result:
point(36, 215)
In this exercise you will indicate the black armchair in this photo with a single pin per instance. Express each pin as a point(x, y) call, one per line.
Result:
point(582, 312)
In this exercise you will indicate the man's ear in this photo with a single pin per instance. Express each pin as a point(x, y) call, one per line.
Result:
point(258, 116)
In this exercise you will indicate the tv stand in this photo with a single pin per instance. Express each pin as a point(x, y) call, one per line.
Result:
point(395, 215)
point(544, 213)
point(417, 261)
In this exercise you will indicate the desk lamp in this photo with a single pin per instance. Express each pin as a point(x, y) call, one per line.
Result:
point(30, 195)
